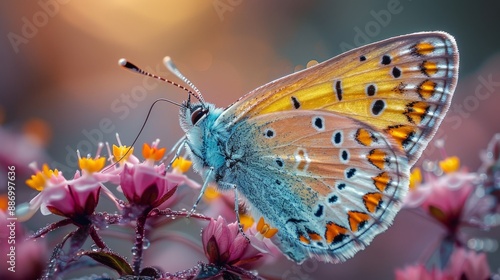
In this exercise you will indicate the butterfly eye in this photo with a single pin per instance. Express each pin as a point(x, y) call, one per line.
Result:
point(198, 114)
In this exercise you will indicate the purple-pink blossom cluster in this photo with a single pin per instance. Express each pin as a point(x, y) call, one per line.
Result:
point(456, 199)
point(150, 188)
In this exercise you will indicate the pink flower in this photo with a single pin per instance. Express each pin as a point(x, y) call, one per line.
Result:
point(145, 185)
point(75, 201)
point(224, 245)
point(448, 198)
point(467, 264)
point(419, 272)
point(451, 200)
point(463, 264)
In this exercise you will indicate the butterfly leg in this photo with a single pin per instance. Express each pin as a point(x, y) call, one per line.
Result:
point(236, 206)
point(177, 148)
point(202, 191)
point(237, 211)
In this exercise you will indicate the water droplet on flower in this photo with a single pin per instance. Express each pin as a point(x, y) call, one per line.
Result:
point(492, 220)
point(146, 244)
point(483, 177)
point(438, 172)
point(428, 165)
point(439, 143)
point(480, 192)
point(474, 244)
point(94, 248)
point(484, 244)
point(134, 251)
point(489, 155)
point(490, 245)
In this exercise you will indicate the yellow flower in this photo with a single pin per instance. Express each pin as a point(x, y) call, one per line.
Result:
point(415, 178)
point(181, 164)
point(265, 229)
point(4, 202)
point(152, 153)
point(122, 153)
point(91, 165)
point(211, 193)
point(450, 164)
point(39, 180)
point(246, 221)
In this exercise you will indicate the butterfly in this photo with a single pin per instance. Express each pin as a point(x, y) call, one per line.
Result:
point(324, 154)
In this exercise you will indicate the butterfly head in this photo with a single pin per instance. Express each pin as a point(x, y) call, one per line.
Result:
point(198, 120)
point(193, 114)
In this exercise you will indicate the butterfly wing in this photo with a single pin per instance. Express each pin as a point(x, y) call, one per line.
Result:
point(401, 86)
point(324, 154)
point(329, 183)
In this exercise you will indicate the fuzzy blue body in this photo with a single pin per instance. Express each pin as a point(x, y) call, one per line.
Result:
point(239, 160)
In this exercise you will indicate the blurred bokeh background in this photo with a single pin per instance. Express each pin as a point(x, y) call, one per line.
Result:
point(60, 83)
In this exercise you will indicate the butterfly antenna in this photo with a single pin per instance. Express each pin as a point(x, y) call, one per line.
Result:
point(142, 128)
point(148, 115)
point(127, 64)
point(172, 68)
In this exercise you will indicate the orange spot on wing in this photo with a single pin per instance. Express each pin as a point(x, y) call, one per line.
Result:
point(426, 89)
point(416, 111)
point(372, 200)
point(303, 239)
point(424, 48)
point(334, 231)
point(377, 157)
point(364, 137)
point(402, 134)
point(314, 236)
point(381, 181)
point(429, 68)
point(356, 219)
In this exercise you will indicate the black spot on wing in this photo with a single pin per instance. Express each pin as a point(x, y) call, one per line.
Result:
point(396, 72)
point(295, 102)
point(338, 90)
point(377, 107)
point(319, 211)
point(386, 60)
